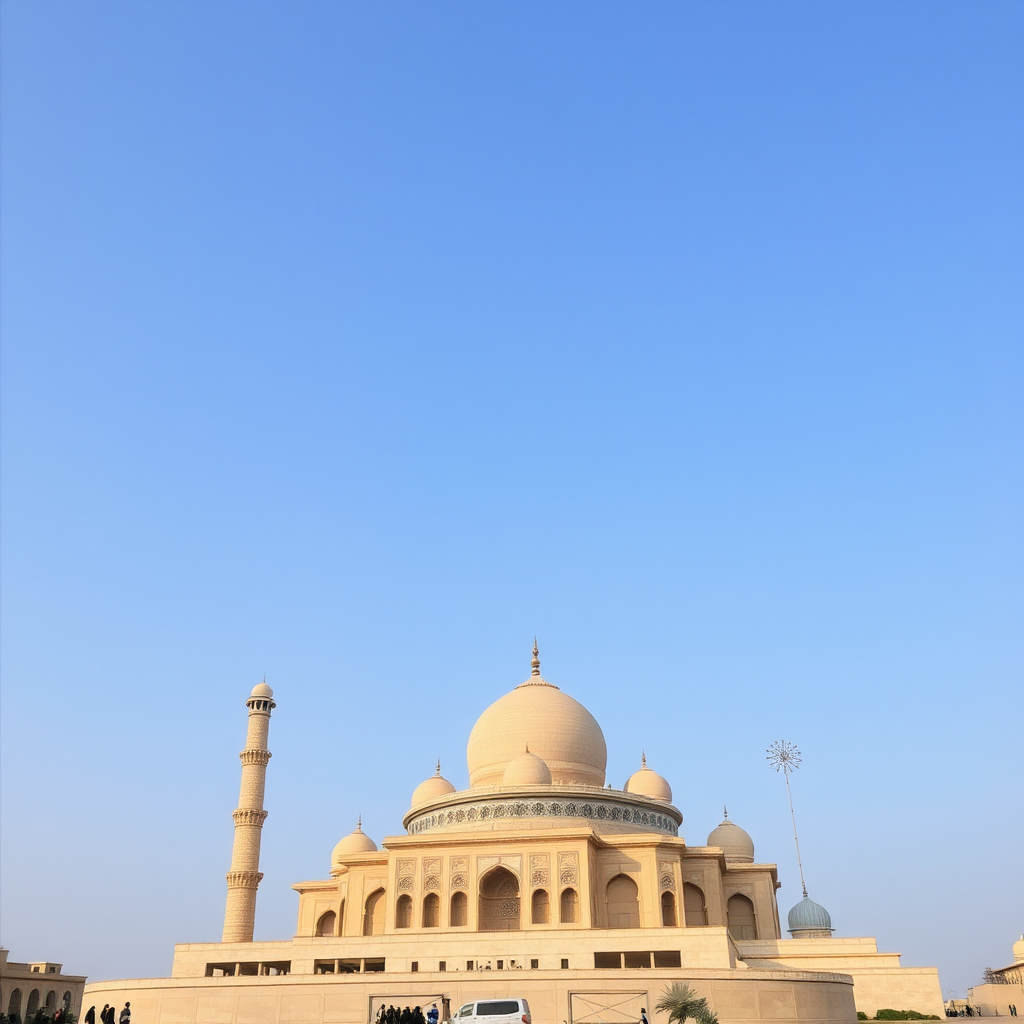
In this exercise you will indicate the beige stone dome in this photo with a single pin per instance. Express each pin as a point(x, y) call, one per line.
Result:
point(262, 690)
point(355, 842)
point(432, 788)
point(1018, 951)
point(646, 782)
point(558, 729)
point(527, 770)
point(733, 842)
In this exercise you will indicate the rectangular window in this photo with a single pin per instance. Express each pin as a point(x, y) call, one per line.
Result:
point(442, 965)
point(534, 964)
point(501, 965)
point(607, 960)
point(349, 966)
point(565, 964)
point(637, 959)
point(470, 966)
point(373, 966)
point(415, 966)
point(667, 958)
point(497, 1008)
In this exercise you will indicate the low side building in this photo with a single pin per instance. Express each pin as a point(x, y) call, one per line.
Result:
point(25, 988)
point(1003, 987)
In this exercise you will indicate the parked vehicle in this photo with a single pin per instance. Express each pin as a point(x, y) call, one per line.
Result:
point(494, 1011)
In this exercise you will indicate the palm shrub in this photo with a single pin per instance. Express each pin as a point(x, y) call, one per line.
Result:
point(680, 1002)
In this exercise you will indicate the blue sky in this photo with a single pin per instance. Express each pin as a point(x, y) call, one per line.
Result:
point(357, 344)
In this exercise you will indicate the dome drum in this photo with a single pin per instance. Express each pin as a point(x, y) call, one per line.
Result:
point(543, 806)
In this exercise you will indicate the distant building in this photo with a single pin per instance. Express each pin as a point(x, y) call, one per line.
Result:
point(539, 881)
point(25, 988)
point(1003, 986)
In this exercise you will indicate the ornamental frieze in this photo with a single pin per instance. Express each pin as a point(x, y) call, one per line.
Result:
point(492, 810)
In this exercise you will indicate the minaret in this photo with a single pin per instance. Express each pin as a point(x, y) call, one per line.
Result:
point(245, 876)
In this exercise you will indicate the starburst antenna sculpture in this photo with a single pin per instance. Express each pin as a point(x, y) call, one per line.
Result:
point(784, 757)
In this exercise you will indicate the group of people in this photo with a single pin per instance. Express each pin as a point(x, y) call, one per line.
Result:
point(392, 1015)
point(107, 1015)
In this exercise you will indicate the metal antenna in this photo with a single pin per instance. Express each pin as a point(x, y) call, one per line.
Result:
point(784, 757)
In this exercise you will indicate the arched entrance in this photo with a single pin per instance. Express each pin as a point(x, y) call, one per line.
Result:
point(14, 1005)
point(499, 901)
point(325, 926)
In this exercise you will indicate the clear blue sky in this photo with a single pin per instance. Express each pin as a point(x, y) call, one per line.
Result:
point(356, 344)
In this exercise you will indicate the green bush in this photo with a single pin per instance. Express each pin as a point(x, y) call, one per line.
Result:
point(861, 1015)
point(901, 1015)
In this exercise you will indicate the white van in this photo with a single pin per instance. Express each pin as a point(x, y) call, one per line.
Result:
point(494, 1011)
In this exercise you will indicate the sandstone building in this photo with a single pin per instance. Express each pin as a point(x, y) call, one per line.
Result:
point(541, 880)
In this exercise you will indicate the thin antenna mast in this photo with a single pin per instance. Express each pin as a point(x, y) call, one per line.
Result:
point(784, 757)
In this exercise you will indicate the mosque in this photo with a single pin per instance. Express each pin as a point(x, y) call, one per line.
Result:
point(540, 881)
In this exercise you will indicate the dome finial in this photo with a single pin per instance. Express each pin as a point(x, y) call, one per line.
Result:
point(535, 663)
point(359, 823)
point(437, 771)
point(725, 812)
point(643, 758)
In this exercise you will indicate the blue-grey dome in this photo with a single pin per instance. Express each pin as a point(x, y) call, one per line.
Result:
point(808, 916)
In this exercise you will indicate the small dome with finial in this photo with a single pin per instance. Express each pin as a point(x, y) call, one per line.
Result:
point(1018, 951)
point(262, 690)
point(647, 782)
point(432, 788)
point(732, 841)
point(527, 770)
point(810, 920)
point(354, 843)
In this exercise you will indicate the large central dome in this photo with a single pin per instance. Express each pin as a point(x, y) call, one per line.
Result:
point(538, 716)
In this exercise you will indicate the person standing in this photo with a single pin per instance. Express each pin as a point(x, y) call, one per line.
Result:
point(126, 1014)
point(643, 1016)
point(432, 1014)
point(90, 1015)
point(105, 1013)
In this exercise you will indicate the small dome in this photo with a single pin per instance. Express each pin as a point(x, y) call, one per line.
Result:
point(355, 842)
point(262, 690)
point(1018, 951)
point(732, 841)
point(809, 917)
point(646, 782)
point(527, 770)
point(432, 788)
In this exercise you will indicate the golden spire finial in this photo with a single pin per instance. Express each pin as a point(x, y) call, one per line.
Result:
point(643, 758)
point(535, 664)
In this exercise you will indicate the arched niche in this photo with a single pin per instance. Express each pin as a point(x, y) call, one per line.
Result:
point(499, 901)
point(540, 907)
point(431, 910)
point(695, 911)
point(623, 899)
point(742, 922)
point(459, 910)
point(569, 907)
point(373, 913)
point(668, 909)
point(403, 911)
